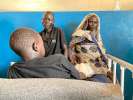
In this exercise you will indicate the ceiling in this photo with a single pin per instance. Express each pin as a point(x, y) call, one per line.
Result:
point(65, 5)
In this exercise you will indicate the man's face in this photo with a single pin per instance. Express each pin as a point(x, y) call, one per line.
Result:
point(48, 21)
point(93, 23)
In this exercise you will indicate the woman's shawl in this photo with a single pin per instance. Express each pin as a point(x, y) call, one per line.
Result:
point(83, 44)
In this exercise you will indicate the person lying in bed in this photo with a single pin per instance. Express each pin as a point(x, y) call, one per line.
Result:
point(29, 45)
point(86, 49)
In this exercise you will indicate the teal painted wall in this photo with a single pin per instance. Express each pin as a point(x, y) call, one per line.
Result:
point(116, 31)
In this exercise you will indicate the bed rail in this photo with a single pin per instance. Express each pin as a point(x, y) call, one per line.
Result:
point(112, 62)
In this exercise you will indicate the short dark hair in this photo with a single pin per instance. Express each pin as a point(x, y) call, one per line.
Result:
point(21, 39)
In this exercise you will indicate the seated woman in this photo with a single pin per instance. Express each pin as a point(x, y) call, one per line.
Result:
point(86, 49)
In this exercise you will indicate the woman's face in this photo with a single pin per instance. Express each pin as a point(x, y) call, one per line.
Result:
point(93, 23)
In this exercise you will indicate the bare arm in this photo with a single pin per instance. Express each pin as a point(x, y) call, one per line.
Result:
point(63, 43)
point(65, 51)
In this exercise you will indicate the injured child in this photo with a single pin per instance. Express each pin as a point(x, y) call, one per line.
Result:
point(29, 45)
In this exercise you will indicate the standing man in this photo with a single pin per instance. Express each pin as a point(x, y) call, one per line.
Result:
point(53, 37)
